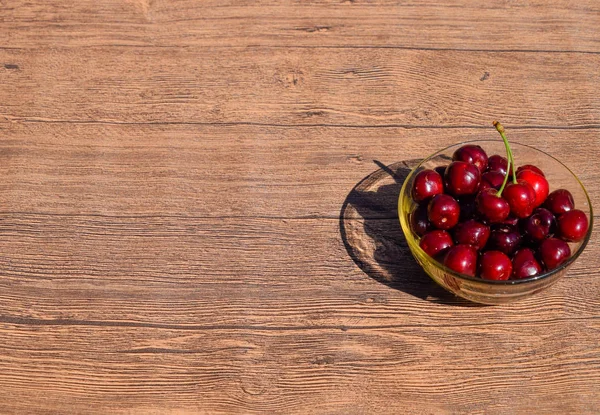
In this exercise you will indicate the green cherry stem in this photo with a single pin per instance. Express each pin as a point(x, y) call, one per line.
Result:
point(509, 157)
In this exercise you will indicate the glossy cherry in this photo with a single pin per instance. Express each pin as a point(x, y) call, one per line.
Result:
point(504, 238)
point(539, 184)
point(553, 252)
point(472, 154)
point(436, 242)
point(419, 221)
point(540, 225)
point(498, 163)
point(491, 179)
point(462, 178)
point(427, 184)
point(520, 197)
point(495, 265)
point(472, 233)
point(443, 211)
point(573, 225)
point(559, 201)
point(462, 259)
point(530, 167)
point(525, 264)
point(492, 207)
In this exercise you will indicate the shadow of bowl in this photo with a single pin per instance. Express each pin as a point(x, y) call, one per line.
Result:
point(374, 240)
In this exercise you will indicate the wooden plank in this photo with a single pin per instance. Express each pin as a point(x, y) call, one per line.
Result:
point(227, 171)
point(146, 313)
point(554, 25)
point(189, 270)
point(142, 370)
point(299, 87)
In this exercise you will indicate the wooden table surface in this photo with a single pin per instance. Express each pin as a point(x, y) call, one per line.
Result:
point(184, 222)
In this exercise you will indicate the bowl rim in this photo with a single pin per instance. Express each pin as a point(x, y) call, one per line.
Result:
point(408, 232)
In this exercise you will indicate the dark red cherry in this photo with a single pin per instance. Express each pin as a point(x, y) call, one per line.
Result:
point(472, 233)
point(463, 259)
point(495, 265)
point(540, 225)
point(572, 225)
point(491, 179)
point(498, 163)
point(532, 168)
point(525, 264)
point(539, 184)
point(520, 197)
point(504, 238)
point(419, 222)
point(443, 211)
point(427, 183)
point(436, 242)
point(559, 201)
point(462, 178)
point(472, 154)
point(553, 252)
point(492, 207)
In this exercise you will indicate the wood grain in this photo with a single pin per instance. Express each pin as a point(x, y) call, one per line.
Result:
point(173, 176)
point(300, 87)
point(544, 25)
point(277, 321)
point(227, 171)
point(132, 317)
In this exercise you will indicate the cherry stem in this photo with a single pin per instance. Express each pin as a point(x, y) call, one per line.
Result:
point(510, 159)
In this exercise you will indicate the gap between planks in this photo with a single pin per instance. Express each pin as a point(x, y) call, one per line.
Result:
point(396, 47)
point(11, 119)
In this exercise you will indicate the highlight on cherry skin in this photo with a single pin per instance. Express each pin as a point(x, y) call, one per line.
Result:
point(486, 217)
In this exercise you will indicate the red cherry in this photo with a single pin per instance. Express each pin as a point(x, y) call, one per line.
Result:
point(531, 167)
point(492, 207)
point(559, 201)
point(520, 197)
point(443, 211)
point(472, 233)
point(462, 178)
point(491, 179)
point(462, 259)
point(498, 163)
point(495, 265)
point(525, 264)
point(539, 184)
point(554, 252)
point(539, 225)
point(427, 183)
point(504, 238)
point(436, 242)
point(572, 225)
point(472, 154)
point(419, 222)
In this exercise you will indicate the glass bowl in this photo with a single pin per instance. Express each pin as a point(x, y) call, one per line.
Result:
point(485, 291)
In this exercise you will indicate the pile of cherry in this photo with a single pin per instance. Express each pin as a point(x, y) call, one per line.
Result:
point(480, 216)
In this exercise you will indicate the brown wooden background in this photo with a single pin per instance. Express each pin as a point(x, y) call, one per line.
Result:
point(172, 177)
